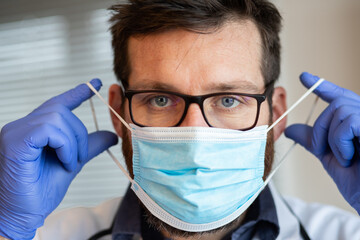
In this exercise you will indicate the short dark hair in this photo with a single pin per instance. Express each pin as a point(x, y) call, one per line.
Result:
point(144, 17)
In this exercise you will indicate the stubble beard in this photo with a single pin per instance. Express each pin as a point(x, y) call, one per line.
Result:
point(174, 232)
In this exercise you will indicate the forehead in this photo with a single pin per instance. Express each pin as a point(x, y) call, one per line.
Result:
point(196, 63)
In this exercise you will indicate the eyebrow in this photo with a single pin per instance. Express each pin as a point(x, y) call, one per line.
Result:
point(147, 84)
point(235, 86)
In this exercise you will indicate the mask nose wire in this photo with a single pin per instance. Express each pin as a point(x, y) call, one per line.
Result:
point(97, 128)
point(307, 93)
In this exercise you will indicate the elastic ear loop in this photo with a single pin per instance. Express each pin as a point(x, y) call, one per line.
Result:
point(117, 162)
point(307, 93)
point(294, 143)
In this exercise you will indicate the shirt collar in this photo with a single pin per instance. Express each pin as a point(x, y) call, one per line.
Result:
point(261, 219)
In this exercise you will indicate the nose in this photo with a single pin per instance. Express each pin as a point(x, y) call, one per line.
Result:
point(194, 117)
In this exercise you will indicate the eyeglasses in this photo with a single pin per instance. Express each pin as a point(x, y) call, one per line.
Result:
point(153, 108)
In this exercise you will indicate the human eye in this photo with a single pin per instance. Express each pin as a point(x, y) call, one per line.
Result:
point(156, 101)
point(160, 101)
point(228, 102)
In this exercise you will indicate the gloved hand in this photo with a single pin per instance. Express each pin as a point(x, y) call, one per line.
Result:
point(40, 155)
point(334, 138)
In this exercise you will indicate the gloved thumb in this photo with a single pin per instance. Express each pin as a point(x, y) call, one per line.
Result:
point(98, 142)
point(301, 134)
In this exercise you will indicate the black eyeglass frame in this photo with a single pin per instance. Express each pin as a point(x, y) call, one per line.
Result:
point(199, 99)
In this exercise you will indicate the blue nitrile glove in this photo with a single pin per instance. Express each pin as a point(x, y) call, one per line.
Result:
point(334, 138)
point(40, 155)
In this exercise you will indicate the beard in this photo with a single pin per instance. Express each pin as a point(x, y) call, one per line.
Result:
point(174, 232)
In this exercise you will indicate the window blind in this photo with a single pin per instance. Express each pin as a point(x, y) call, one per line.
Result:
point(46, 48)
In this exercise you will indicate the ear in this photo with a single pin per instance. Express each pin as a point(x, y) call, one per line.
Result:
point(278, 108)
point(116, 101)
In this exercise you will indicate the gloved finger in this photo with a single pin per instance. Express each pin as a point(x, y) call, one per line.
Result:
point(326, 117)
point(79, 130)
point(56, 120)
point(303, 135)
point(327, 90)
point(340, 114)
point(44, 135)
point(98, 142)
point(344, 137)
point(74, 97)
point(322, 124)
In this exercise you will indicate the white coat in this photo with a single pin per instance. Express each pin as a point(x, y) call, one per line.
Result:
point(319, 221)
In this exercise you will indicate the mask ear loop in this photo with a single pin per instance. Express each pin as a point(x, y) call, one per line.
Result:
point(307, 93)
point(113, 111)
point(294, 143)
point(117, 162)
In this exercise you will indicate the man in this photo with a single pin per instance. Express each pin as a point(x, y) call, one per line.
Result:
point(167, 54)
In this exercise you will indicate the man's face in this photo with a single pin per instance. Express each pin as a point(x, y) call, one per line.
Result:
point(195, 64)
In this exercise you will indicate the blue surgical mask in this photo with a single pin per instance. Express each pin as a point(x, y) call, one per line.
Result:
point(198, 178)
point(199, 175)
